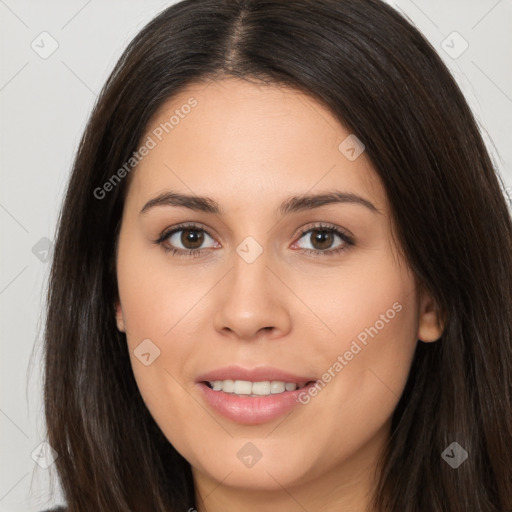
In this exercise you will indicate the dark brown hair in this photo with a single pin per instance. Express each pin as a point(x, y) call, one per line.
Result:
point(384, 82)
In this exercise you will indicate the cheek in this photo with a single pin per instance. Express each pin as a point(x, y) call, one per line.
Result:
point(159, 308)
point(371, 301)
point(365, 356)
point(155, 296)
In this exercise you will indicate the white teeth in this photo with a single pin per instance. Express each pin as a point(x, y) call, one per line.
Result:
point(242, 387)
point(277, 386)
point(261, 388)
point(245, 387)
point(228, 386)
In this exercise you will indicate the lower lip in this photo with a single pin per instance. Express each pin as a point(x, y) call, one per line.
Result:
point(252, 410)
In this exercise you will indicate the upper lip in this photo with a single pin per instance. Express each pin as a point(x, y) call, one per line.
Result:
point(258, 374)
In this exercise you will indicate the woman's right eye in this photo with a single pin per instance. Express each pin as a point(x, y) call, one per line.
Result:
point(185, 239)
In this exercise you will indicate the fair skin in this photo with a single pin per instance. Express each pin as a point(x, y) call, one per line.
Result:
point(250, 148)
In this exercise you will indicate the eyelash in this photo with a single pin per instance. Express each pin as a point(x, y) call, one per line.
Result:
point(348, 240)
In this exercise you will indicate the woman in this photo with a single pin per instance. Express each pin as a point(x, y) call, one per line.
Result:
point(282, 277)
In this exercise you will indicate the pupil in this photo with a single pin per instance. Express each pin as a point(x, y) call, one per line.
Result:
point(192, 237)
point(322, 238)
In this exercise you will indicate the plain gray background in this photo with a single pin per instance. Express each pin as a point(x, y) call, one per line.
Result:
point(45, 101)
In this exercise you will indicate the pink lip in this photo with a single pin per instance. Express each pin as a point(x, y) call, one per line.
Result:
point(258, 374)
point(252, 410)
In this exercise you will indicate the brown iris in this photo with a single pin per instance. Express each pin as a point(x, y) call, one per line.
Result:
point(323, 238)
point(194, 237)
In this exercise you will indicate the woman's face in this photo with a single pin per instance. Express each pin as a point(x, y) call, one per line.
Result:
point(287, 273)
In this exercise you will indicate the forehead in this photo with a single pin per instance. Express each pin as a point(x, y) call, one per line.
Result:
point(265, 142)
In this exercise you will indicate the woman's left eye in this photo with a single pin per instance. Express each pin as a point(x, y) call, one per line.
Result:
point(321, 240)
point(191, 239)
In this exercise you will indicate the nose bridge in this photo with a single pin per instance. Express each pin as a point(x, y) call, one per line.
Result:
point(250, 270)
point(250, 300)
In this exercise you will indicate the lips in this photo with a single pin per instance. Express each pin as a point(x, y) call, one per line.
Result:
point(258, 374)
point(252, 410)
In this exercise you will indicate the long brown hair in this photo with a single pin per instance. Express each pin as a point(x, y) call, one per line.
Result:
point(384, 82)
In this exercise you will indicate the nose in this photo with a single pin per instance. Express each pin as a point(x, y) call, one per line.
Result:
point(252, 302)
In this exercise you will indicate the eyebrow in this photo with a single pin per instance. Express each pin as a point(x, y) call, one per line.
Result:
point(291, 205)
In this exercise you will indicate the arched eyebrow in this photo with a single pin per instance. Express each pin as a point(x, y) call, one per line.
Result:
point(291, 205)
point(311, 201)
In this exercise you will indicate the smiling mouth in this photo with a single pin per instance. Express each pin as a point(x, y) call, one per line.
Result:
point(254, 389)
